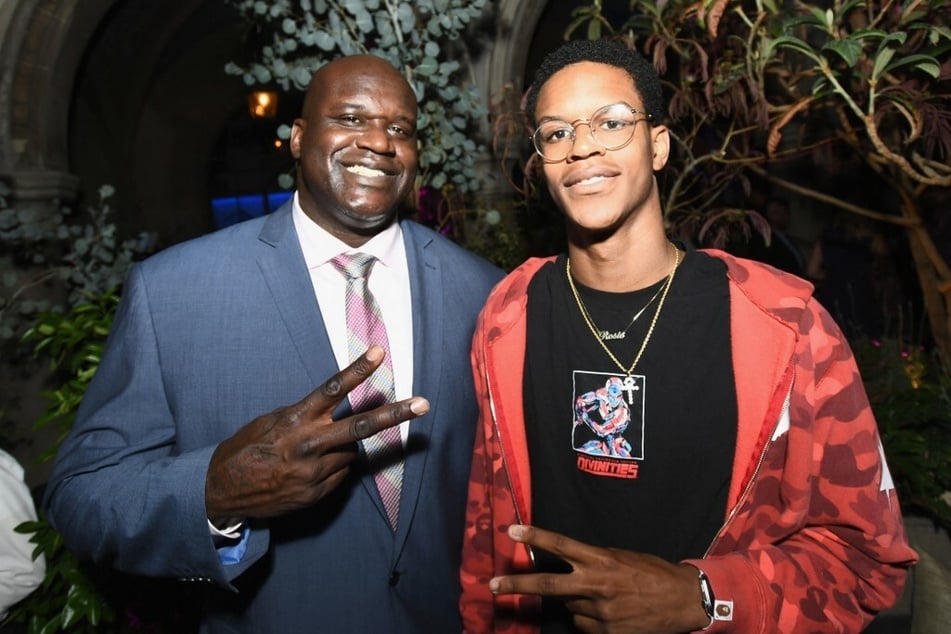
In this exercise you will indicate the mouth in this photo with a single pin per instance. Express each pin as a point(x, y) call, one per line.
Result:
point(588, 178)
point(587, 181)
point(367, 171)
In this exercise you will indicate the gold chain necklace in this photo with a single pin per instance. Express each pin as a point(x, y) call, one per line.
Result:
point(650, 329)
point(604, 335)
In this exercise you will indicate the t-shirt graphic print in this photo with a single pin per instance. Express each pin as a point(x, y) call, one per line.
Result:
point(608, 424)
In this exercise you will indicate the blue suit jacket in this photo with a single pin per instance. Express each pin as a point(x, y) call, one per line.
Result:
point(217, 331)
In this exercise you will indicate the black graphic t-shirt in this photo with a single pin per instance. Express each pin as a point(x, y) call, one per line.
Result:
point(639, 462)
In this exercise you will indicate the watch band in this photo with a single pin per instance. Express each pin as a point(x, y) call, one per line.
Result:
point(707, 596)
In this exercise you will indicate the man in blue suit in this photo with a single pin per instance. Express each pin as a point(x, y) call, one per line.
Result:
point(280, 517)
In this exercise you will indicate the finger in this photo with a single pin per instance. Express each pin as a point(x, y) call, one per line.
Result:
point(365, 424)
point(572, 551)
point(327, 396)
point(542, 584)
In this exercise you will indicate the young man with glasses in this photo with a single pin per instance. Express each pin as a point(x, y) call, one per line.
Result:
point(671, 439)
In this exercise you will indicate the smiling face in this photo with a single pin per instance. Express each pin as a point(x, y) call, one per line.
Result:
point(356, 147)
point(601, 190)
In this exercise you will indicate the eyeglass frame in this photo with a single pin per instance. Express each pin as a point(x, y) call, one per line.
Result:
point(587, 121)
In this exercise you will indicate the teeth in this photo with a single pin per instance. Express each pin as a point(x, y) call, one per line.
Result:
point(364, 171)
point(588, 181)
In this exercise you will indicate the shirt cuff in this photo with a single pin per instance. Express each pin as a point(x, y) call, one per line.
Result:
point(231, 553)
point(233, 531)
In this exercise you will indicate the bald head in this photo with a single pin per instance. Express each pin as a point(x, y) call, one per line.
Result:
point(345, 69)
point(356, 146)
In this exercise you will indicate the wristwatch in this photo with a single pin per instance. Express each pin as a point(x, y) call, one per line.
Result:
point(708, 599)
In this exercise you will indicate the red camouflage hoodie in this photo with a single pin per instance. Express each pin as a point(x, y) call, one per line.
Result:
point(813, 539)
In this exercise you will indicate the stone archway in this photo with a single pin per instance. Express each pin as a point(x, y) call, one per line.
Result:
point(77, 109)
point(41, 42)
point(146, 123)
point(516, 23)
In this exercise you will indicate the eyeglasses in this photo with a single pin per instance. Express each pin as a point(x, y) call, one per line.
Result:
point(612, 127)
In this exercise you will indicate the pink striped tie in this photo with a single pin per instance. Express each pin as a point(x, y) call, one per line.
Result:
point(365, 327)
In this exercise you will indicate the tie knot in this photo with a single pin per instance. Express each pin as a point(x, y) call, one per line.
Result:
point(354, 265)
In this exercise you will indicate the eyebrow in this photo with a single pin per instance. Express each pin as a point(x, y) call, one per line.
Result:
point(541, 120)
point(345, 105)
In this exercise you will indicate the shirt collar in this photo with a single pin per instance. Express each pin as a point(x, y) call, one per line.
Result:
point(320, 246)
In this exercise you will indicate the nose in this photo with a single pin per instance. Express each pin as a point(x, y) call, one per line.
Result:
point(583, 144)
point(376, 138)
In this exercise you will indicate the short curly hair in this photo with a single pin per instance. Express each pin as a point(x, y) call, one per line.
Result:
point(605, 51)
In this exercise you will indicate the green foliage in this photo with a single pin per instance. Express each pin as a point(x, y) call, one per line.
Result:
point(51, 261)
point(63, 280)
point(495, 241)
point(69, 253)
point(73, 342)
point(592, 17)
point(424, 39)
point(68, 600)
point(910, 392)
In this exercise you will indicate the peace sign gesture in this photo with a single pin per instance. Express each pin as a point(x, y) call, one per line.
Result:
point(609, 589)
point(297, 454)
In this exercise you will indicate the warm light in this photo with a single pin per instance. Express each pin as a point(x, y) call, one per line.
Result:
point(278, 143)
point(262, 104)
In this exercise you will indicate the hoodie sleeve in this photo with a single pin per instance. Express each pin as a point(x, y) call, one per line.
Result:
point(499, 463)
point(476, 604)
point(816, 541)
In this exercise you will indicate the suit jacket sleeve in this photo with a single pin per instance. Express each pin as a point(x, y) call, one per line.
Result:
point(122, 494)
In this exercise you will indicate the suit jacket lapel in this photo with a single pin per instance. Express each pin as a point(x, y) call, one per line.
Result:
point(427, 296)
point(285, 273)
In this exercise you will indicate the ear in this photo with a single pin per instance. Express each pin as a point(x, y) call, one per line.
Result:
point(297, 130)
point(660, 142)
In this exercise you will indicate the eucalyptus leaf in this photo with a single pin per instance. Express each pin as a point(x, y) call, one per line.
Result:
point(427, 67)
point(301, 76)
point(364, 22)
point(406, 17)
point(324, 40)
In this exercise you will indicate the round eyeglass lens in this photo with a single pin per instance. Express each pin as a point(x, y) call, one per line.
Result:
point(611, 127)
